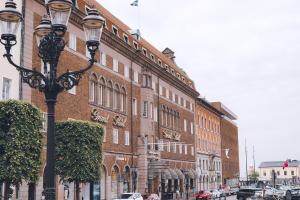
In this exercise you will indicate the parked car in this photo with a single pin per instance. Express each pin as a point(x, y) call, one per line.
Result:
point(233, 191)
point(215, 194)
point(289, 191)
point(249, 192)
point(153, 197)
point(271, 193)
point(203, 195)
point(135, 196)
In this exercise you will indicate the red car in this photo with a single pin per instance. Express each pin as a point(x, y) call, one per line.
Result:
point(203, 195)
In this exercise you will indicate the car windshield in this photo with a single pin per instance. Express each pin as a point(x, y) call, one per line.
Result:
point(126, 196)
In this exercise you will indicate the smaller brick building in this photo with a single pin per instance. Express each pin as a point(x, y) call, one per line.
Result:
point(230, 143)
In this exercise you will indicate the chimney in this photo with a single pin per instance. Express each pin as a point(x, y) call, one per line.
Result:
point(169, 53)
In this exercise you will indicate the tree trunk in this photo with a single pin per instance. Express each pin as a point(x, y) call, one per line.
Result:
point(6, 190)
point(77, 191)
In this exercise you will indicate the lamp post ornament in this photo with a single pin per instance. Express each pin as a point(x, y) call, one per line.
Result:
point(49, 35)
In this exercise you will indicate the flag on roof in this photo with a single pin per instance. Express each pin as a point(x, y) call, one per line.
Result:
point(135, 3)
point(285, 164)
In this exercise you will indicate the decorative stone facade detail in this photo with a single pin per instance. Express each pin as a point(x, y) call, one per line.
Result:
point(96, 117)
point(119, 121)
point(172, 135)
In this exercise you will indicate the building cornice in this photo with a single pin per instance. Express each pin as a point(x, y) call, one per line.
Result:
point(121, 47)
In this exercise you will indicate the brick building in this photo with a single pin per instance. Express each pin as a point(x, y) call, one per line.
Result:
point(230, 143)
point(208, 146)
point(143, 100)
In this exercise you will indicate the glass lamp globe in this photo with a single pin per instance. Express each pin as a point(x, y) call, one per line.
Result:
point(43, 29)
point(93, 26)
point(60, 11)
point(10, 19)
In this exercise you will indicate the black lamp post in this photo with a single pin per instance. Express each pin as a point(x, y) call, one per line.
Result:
point(50, 35)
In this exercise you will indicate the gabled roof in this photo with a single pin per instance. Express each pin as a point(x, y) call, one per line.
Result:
point(114, 20)
point(294, 163)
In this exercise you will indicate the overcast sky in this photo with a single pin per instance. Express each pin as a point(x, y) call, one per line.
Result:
point(244, 53)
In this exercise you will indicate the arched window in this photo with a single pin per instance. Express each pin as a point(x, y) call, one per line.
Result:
point(101, 93)
point(116, 100)
point(93, 89)
point(109, 92)
point(123, 100)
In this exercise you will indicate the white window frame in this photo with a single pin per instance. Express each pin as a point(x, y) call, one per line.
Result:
point(136, 76)
point(180, 148)
point(144, 50)
point(173, 72)
point(113, 27)
point(103, 59)
point(115, 136)
point(155, 114)
point(145, 109)
point(134, 106)
point(186, 149)
point(174, 147)
point(127, 138)
point(72, 41)
point(152, 57)
point(184, 103)
point(115, 65)
point(192, 150)
point(124, 37)
point(135, 45)
point(185, 125)
point(169, 147)
point(6, 91)
point(126, 71)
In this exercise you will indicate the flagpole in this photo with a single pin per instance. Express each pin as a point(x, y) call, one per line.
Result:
point(246, 160)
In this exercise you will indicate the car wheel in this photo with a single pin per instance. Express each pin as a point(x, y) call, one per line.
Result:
point(288, 195)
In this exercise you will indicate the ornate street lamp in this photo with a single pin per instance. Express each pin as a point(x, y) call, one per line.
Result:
point(50, 35)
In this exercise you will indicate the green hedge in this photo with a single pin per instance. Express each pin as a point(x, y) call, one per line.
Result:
point(78, 151)
point(20, 141)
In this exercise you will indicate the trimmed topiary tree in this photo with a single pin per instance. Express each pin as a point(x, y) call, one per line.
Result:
point(78, 152)
point(20, 143)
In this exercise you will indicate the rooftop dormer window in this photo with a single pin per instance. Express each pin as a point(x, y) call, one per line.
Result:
point(152, 57)
point(145, 52)
point(173, 72)
point(167, 68)
point(178, 76)
point(159, 63)
point(115, 31)
point(126, 40)
point(135, 45)
point(183, 79)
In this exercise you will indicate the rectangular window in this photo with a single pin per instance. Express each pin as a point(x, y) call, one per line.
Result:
point(44, 122)
point(104, 133)
point(103, 59)
point(6, 87)
point(151, 110)
point(152, 57)
point(180, 148)
point(134, 106)
point(145, 52)
point(127, 138)
point(166, 67)
point(173, 97)
point(159, 63)
point(179, 100)
point(192, 128)
point(184, 103)
point(126, 71)
point(145, 109)
point(169, 147)
point(155, 117)
point(174, 147)
point(192, 107)
point(173, 72)
point(135, 45)
point(136, 76)
point(186, 149)
point(167, 93)
point(292, 173)
point(72, 41)
point(126, 40)
point(185, 125)
point(192, 151)
point(160, 90)
point(115, 31)
point(115, 65)
point(285, 173)
point(115, 136)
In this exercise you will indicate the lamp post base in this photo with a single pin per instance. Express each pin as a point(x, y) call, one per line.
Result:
point(50, 193)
